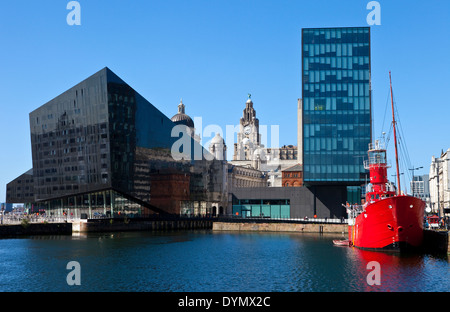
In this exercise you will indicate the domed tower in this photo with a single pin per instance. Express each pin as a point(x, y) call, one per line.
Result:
point(218, 148)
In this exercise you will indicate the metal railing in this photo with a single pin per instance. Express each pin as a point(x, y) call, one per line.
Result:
point(19, 219)
point(232, 218)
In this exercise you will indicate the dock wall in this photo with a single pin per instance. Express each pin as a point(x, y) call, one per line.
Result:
point(18, 230)
point(107, 225)
point(436, 241)
point(281, 227)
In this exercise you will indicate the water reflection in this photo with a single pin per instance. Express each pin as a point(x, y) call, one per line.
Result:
point(399, 271)
point(211, 261)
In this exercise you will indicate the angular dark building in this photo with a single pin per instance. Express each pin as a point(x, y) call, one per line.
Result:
point(21, 189)
point(336, 107)
point(101, 148)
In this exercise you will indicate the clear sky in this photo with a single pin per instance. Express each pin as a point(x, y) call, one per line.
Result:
point(212, 53)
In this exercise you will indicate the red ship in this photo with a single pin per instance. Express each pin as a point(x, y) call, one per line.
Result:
point(388, 219)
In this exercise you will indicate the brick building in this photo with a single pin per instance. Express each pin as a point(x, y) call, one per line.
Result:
point(292, 176)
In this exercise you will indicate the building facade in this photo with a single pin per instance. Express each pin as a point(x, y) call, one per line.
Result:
point(336, 105)
point(420, 187)
point(440, 184)
point(287, 202)
point(21, 189)
point(293, 176)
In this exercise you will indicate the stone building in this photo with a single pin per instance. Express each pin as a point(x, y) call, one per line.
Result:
point(440, 184)
point(249, 151)
point(239, 177)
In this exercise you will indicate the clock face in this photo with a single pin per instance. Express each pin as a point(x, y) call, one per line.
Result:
point(247, 130)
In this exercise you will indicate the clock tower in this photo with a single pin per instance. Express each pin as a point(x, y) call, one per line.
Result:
point(248, 138)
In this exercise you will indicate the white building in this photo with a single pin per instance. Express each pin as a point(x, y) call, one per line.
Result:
point(235, 176)
point(440, 184)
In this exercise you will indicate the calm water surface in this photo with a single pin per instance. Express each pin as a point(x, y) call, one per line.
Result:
point(206, 261)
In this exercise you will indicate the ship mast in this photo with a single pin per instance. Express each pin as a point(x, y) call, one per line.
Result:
point(395, 137)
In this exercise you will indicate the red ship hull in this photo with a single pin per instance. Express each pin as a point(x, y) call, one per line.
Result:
point(392, 223)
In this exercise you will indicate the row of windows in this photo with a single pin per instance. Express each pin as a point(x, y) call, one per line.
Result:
point(336, 76)
point(337, 170)
point(264, 211)
point(261, 201)
point(20, 188)
point(335, 158)
point(57, 171)
point(292, 174)
point(335, 131)
point(81, 139)
point(64, 151)
point(91, 178)
point(336, 49)
point(87, 130)
point(332, 103)
point(54, 161)
point(335, 144)
point(336, 35)
point(19, 195)
point(337, 90)
point(336, 117)
point(25, 181)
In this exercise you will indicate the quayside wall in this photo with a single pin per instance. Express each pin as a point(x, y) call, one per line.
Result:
point(18, 230)
point(436, 241)
point(116, 225)
point(281, 227)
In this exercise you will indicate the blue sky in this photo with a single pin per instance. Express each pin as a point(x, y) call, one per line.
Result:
point(212, 54)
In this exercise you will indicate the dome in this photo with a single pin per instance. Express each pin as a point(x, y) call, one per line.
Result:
point(217, 139)
point(259, 152)
point(183, 119)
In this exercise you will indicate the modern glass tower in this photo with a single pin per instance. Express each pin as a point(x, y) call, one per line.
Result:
point(336, 105)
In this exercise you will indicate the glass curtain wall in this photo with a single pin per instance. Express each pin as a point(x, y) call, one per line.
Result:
point(265, 208)
point(336, 103)
point(103, 204)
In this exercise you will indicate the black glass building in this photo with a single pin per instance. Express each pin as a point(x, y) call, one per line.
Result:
point(336, 104)
point(101, 148)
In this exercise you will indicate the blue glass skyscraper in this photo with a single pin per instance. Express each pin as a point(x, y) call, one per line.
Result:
point(336, 105)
